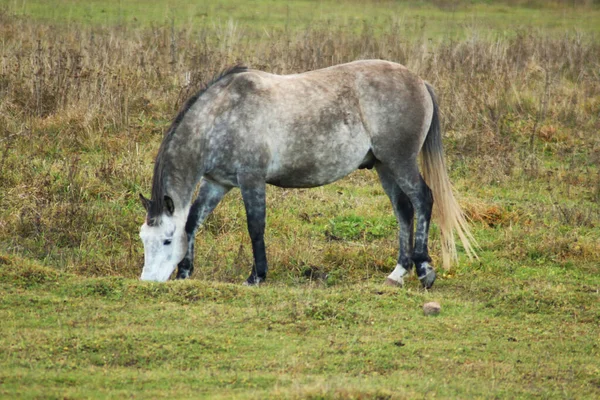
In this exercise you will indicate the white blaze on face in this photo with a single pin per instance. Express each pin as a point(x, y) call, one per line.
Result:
point(165, 246)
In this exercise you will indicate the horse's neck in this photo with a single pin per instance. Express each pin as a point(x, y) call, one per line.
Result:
point(181, 176)
point(180, 155)
point(180, 186)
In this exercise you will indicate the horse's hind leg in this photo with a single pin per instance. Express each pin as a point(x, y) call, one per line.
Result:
point(404, 211)
point(253, 190)
point(412, 184)
point(209, 196)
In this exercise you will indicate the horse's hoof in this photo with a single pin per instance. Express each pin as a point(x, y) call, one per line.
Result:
point(253, 281)
point(391, 282)
point(429, 277)
point(396, 278)
point(183, 275)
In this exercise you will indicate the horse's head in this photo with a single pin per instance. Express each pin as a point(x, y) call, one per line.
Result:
point(164, 238)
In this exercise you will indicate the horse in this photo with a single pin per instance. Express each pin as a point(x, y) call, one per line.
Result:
point(248, 128)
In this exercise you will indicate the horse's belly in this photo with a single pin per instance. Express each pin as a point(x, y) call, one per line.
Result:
point(318, 164)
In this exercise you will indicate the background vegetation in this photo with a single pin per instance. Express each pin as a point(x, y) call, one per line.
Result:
point(86, 92)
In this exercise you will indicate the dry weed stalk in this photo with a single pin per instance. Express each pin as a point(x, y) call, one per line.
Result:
point(96, 100)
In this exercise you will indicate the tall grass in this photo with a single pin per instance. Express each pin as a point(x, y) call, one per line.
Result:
point(83, 109)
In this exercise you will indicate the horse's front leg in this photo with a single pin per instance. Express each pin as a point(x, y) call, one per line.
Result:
point(253, 190)
point(211, 193)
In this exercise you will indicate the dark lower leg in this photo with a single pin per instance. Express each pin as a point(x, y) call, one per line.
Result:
point(253, 193)
point(209, 197)
point(422, 200)
point(424, 205)
point(185, 268)
point(404, 212)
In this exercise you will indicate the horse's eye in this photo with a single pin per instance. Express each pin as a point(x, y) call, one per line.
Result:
point(167, 242)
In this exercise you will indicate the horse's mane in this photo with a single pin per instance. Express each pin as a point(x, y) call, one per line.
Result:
point(158, 180)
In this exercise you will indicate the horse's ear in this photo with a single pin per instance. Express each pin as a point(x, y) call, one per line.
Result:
point(145, 202)
point(169, 206)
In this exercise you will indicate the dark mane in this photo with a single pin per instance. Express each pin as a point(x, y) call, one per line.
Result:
point(158, 180)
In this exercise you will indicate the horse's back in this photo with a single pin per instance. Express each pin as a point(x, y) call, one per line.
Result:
point(388, 99)
point(313, 128)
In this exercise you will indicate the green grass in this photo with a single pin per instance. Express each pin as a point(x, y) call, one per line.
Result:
point(497, 336)
point(431, 19)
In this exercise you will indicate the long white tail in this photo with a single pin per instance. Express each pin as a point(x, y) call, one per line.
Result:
point(447, 212)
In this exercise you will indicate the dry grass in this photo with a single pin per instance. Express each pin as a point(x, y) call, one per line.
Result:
point(83, 110)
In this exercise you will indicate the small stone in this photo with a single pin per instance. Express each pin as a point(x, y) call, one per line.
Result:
point(431, 308)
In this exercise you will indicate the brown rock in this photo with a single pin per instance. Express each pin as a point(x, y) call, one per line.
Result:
point(431, 308)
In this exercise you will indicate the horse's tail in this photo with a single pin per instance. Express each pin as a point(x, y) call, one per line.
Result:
point(449, 215)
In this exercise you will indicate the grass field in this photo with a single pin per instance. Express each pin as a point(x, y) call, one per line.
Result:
point(433, 19)
point(66, 336)
point(86, 92)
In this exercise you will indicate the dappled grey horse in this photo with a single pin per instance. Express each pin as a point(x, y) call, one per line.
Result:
point(248, 128)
